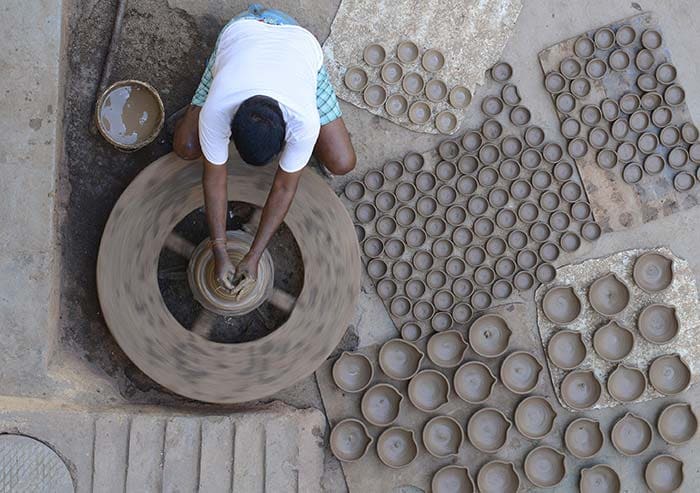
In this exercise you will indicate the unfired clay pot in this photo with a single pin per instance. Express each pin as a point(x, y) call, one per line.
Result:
point(626, 384)
point(381, 404)
point(669, 374)
point(356, 79)
point(584, 438)
point(545, 467)
point(561, 305)
point(658, 323)
point(566, 349)
point(474, 382)
point(399, 359)
point(534, 417)
point(429, 390)
point(664, 474)
point(520, 372)
point(352, 372)
point(608, 295)
point(580, 389)
point(677, 423)
point(452, 479)
point(631, 435)
point(653, 272)
point(407, 52)
point(349, 440)
point(487, 429)
point(600, 478)
point(490, 335)
point(374, 54)
point(397, 447)
point(446, 349)
point(613, 342)
point(498, 477)
point(442, 436)
point(433, 60)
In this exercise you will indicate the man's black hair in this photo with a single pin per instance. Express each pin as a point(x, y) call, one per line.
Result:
point(258, 130)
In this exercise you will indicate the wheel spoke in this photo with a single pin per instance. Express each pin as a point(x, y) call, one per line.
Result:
point(174, 273)
point(204, 323)
point(282, 300)
point(179, 245)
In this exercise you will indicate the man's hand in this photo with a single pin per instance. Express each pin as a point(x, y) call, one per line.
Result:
point(248, 267)
point(223, 269)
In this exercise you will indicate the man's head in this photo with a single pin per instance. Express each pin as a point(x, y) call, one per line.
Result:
point(258, 130)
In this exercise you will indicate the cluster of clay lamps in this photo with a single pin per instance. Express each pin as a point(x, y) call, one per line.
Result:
point(406, 85)
point(626, 135)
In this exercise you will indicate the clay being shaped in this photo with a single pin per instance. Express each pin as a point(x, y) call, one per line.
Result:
point(631, 435)
point(352, 372)
point(653, 272)
point(489, 336)
point(664, 474)
point(561, 304)
point(474, 382)
point(498, 476)
point(580, 389)
point(584, 438)
point(600, 478)
point(399, 359)
point(520, 372)
point(608, 295)
point(350, 440)
point(545, 467)
point(677, 423)
point(487, 430)
point(429, 390)
point(446, 349)
point(397, 447)
point(452, 479)
point(658, 323)
point(442, 436)
point(381, 404)
point(534, 417)
point(613, 342)
point(566, 349)
point(626, 384)
point(669, 374)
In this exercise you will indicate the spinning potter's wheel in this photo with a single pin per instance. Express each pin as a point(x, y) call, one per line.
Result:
point(183, 359)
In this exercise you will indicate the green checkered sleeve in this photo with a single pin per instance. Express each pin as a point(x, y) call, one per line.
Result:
point(200, 95)
point(326, 101)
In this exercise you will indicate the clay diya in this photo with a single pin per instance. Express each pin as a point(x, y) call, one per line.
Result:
point(400, 359)
point(653, 272)
point(580, 389)
point(352, 372)
point(446, 349)
point(584, 438)
point(452, 479)
point(411, 331)
point(407, 52)
point(381, 404)
point(391, 72)
point(561, 305)
point(631, 435)
point(613, 342)
point(545, 467)
point(566, 349)
point(433, 60)
point(396, 105)
point(436, 90)
point(534, 417)
point(677, 423)
point(599, 479)
point(397, 447)
point(608, 295)
point(501, 72)
point(489, 336)
point(442, 436)
point(669, 374)
point(419, 112)
point(498, 477)
point(350, 440)
point(428, 390)
point(658, 323)
point(374, 95)
point(520, 372)
point(374, 55)
point(460, 97)
point(664, 474)
point(570, 242)
point(413, 84)
point(626, 384)
point(446, 122)
point(474, 382)
point(356, 79)
point(487, 429)
point(554, 82)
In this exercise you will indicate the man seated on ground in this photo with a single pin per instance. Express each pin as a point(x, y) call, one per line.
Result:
point(265, 88)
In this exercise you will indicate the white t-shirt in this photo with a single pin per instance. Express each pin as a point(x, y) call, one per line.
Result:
point(255, 58)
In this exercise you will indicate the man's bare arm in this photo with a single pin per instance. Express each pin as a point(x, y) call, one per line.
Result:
point(216, 206)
